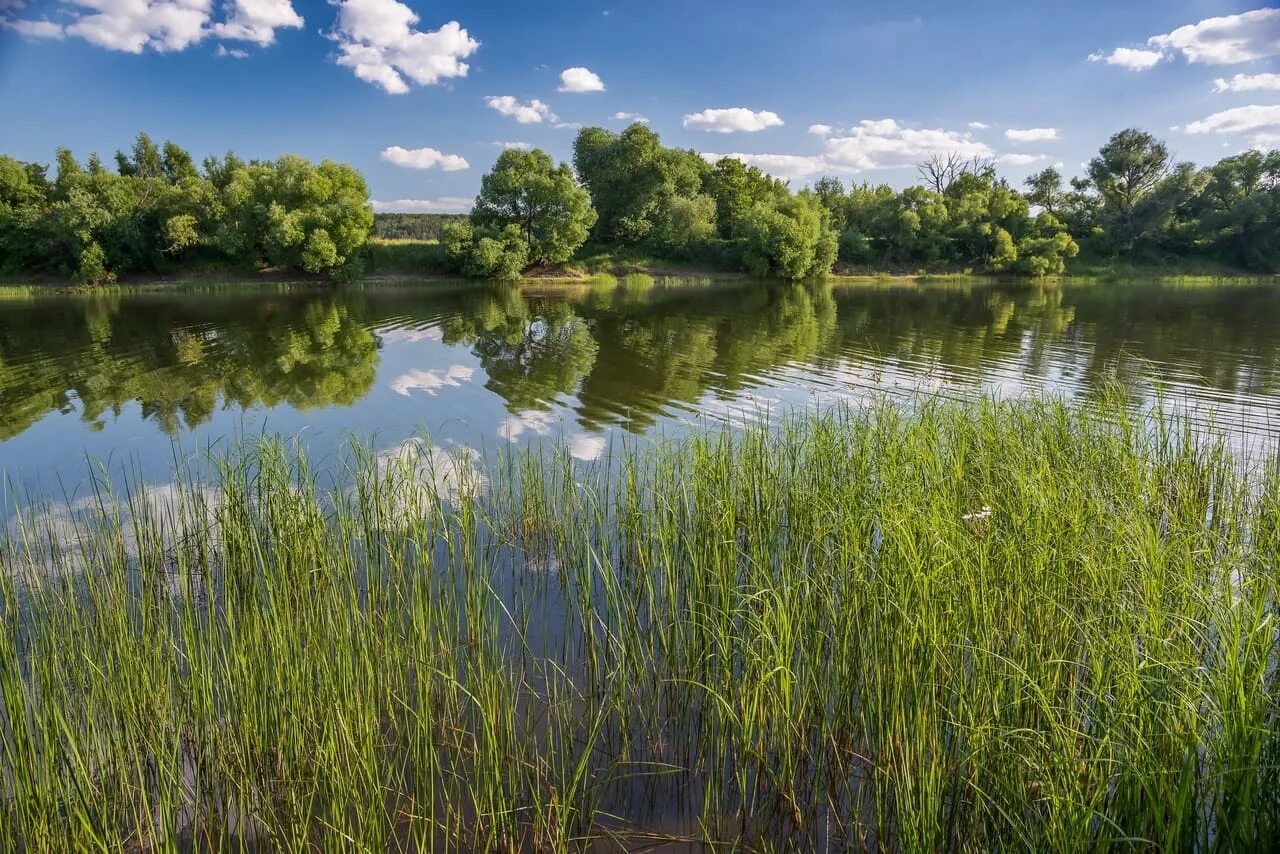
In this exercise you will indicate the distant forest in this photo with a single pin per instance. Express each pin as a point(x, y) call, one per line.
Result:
point(413, 226)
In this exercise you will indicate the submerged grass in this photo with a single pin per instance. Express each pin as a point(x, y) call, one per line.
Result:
point(967, 627)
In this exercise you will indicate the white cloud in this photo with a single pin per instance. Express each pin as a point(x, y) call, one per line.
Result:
point(377, 41)
point(257, 21)
point(885, 144)
point(133, 26)
point(1020, 159)
point(580, 80)
point(1226, 40)
point(234, 52)
point(568, 125)
point(531, 113)
point(515, 146)
point(785, 166)
point(424, 158)
point(979, 125)
point(630, 117)
point(1032, 135)
point(444, 204)
point(1248, 83)
point(1259, 120)
point(431, 381)
point(1130, 58)
point(42, 29)
point(821, 130)
point(732, 119)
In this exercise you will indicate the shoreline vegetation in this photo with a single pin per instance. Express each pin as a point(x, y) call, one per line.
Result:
point(629, 204)
point(993, 625)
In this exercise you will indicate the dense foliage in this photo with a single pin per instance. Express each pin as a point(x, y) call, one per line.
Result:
point(413, 226)
point(529, 211)
point(158, 210)
point(1135, 204)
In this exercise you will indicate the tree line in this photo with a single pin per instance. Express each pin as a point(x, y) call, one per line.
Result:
point(412, 226)
point(626, 191)
point(158, 211)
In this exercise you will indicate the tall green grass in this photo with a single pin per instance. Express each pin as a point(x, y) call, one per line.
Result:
point(1011, 626)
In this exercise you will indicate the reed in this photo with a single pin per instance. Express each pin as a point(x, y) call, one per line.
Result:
point(966, 626)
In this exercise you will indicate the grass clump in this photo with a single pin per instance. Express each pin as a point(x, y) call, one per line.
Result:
point(968, 626)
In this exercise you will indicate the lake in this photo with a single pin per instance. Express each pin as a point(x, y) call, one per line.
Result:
point(854, 632)
point(133, 380)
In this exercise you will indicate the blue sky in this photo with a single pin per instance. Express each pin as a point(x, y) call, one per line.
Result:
point(411, 92)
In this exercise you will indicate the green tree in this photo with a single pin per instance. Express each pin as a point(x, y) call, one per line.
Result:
point(527, 190)
point(1127, 169)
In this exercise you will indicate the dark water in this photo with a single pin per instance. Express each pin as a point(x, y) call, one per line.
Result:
point(133, 380)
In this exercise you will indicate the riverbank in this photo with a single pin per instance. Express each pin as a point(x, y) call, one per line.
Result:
point(1018, 625)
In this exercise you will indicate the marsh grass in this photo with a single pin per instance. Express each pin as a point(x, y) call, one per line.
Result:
point(1010, 626)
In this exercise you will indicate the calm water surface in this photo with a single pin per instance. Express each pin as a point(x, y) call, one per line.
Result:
point(130, 381)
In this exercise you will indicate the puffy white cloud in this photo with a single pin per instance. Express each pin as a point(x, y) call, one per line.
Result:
point(1226, 40)
point(884, 144)
point(979, 125)
point(377, 41)
point(630, 117)
point(1134, 59)
point(732, 119)
point(431, 381)
point(580, 79)
point(1248, 83)
point(821, 130)
point(133, 26)
point(531, 113)
point(234, 52)
point(444, 204)
point(785, 166)
point(515, 146)
point(257, 21)
point(41, 29)
point(1262, 121)
point(1020, 159)
point(1032, 135)
point(424, 158)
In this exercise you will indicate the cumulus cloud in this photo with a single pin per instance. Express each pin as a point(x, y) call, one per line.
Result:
point(431, 381)
point(444, 204)
point(233, 52)
point(731, 120)
point(531, 113)
point(1133, 59)
point(1263, 122)
point(377, 41)
point(884, 144)
point(1032, 135)
point(34, 29)
point(821, 130)
point(979, 125)
point(515, 146)
point(1020, 159)
point(788, 167)
point(424, 158)
point(630, 117)
point(580, 79)
point(257, 21)
point(133, 26)
point(1248, 83)
point(1225, 40)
